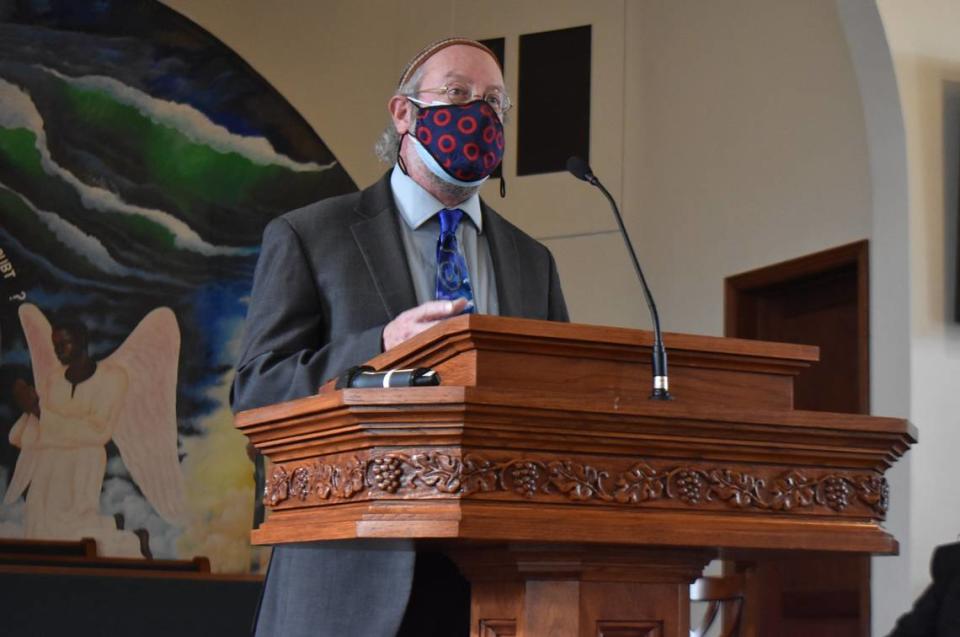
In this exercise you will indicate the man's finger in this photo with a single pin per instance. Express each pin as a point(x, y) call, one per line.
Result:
point(426, 325)
point(433, 310)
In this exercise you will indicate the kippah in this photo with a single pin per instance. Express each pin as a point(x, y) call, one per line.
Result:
point(439, 45)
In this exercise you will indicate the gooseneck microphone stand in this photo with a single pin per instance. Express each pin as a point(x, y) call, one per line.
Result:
point(661, 383)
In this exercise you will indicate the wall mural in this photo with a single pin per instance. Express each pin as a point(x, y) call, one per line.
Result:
point(140, 160)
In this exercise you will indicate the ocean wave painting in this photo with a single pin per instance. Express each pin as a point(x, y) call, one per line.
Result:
point(140, 159)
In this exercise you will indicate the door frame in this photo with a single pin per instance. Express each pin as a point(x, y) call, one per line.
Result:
point(857, 254)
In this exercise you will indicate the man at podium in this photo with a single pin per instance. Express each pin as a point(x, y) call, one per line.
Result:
point(347, 278)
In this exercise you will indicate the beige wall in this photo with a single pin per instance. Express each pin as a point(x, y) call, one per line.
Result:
point(926, 53)
point(748, 146)
point(889, 282)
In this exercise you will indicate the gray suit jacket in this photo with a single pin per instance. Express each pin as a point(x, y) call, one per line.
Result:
point(329, 278)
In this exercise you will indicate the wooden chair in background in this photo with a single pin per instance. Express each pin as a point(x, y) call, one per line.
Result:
point(721, 593)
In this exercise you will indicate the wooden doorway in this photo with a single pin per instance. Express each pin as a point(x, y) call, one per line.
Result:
point(820, 299)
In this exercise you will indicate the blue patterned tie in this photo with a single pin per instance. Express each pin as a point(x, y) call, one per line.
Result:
point(453, 280)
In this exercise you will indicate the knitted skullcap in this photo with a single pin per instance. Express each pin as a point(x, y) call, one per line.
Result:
point(428, 52)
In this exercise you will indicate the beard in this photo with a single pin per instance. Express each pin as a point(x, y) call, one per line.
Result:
point(450, 192)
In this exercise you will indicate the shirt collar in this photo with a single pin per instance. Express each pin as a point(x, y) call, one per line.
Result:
point(417, 206)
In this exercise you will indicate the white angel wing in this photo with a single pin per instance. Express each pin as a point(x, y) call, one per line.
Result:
point(22, 475)
point(146, 429)
point(23, 434)
point(37, 329)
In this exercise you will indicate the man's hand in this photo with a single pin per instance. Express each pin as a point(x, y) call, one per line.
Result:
point(26, 397)
point(417, 319)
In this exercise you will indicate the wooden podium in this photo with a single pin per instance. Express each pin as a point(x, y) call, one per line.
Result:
point(573, 504)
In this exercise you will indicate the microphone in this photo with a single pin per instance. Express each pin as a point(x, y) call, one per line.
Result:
point(579, 169)
point(364, 377)
point(661, 383)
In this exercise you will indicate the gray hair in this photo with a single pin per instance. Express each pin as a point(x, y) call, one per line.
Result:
point(388, 144)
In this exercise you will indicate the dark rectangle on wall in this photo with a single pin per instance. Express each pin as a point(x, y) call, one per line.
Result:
point(951, 195)
point(499, 47)
point(554, 100)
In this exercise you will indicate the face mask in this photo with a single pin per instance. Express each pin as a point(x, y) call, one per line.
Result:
point(462, 144)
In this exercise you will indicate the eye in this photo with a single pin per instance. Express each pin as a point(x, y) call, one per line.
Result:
point(494, 99)
point(457, 92)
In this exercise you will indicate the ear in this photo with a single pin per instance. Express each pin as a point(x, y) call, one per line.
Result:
point(401, 112)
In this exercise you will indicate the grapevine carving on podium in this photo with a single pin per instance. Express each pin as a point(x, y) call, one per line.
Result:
point(439, 474)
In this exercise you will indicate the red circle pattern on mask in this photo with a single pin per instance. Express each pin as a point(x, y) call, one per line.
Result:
point(465, 139)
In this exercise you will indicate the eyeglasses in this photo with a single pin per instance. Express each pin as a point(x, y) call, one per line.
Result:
point(461, 94)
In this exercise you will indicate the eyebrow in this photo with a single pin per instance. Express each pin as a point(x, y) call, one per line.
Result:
point(454, 75)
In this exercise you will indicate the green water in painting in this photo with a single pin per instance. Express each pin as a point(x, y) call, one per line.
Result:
point(19, 146)
point(185, 170)
point(145, 163)
point(19, 154)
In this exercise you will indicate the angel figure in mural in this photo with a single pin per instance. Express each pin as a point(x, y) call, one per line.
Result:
point(80, 404)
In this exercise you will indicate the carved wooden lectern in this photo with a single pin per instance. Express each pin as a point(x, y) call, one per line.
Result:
point(573, 504)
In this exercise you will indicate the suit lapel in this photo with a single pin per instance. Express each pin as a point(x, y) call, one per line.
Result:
point(506, 263)
point(377, 233)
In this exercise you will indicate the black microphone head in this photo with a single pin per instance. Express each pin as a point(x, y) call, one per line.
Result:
point(579, 169)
